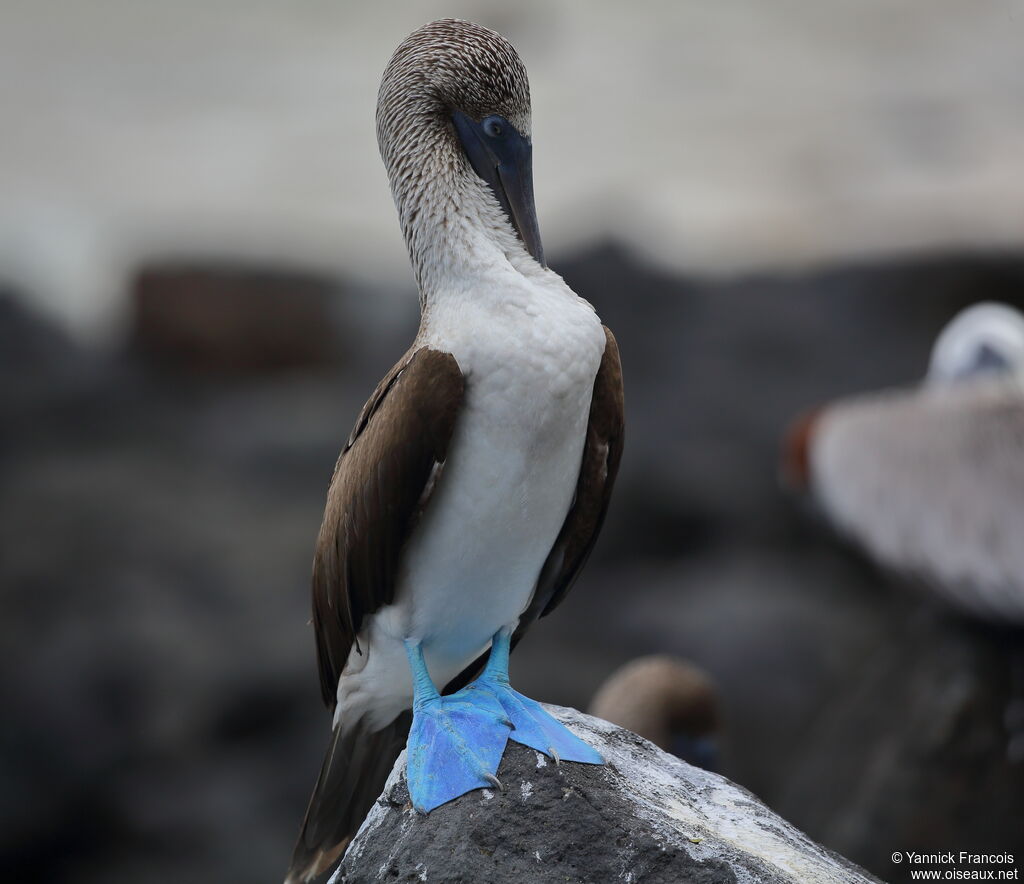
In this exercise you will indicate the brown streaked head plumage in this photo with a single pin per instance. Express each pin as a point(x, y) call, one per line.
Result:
point(444, 67)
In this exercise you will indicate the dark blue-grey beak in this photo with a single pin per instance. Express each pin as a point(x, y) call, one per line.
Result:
point(986, 360)
point(503, 158)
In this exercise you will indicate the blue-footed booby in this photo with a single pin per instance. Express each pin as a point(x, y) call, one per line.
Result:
point(930, 481)
point(475, 482)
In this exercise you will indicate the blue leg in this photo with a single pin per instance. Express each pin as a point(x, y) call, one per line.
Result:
point(534, 727)
point(455, 744)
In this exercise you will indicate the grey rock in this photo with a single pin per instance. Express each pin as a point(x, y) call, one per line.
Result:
point(645, 816)
point(931, 740)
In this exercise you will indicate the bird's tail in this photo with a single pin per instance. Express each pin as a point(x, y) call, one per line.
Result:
point(353, 774)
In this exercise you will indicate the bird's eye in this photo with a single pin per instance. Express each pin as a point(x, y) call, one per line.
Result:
point(492, 127)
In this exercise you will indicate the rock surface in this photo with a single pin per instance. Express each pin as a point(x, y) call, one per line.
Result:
point(643, 817)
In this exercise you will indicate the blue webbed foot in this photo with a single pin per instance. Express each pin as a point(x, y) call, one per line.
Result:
point(532, 725)
point(535, 727)
point(455, 743)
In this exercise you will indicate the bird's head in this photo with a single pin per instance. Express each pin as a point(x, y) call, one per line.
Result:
point(668, 701)
point(453, 126)
point(984, 341)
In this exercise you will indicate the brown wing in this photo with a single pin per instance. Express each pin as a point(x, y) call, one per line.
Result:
point(602, 452)
point(383, 478)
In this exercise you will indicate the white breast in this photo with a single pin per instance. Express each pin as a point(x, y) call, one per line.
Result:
point(529, 353)
point(530, 358)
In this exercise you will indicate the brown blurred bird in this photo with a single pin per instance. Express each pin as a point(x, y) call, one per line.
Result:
point(665, 700)
point(930, 481)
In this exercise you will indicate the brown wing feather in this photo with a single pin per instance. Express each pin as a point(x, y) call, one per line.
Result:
point(381, 478)
point(602, 452)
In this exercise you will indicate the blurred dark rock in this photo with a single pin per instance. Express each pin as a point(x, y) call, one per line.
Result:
point(223, 318)
point(643, 816)
point(162, 714)
point(29, 345)
point(931, 733)
point(36, 359)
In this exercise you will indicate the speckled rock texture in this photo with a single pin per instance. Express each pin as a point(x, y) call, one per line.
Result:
point(643, 817)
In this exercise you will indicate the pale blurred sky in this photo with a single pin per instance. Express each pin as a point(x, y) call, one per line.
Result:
point(711, 135)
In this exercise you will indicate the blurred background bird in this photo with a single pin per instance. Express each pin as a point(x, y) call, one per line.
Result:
point(984, 342)
point(667, 701)
point(930, 481)
point(774, 206)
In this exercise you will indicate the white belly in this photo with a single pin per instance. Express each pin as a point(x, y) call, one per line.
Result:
point(472, 565)
point(499, 507)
